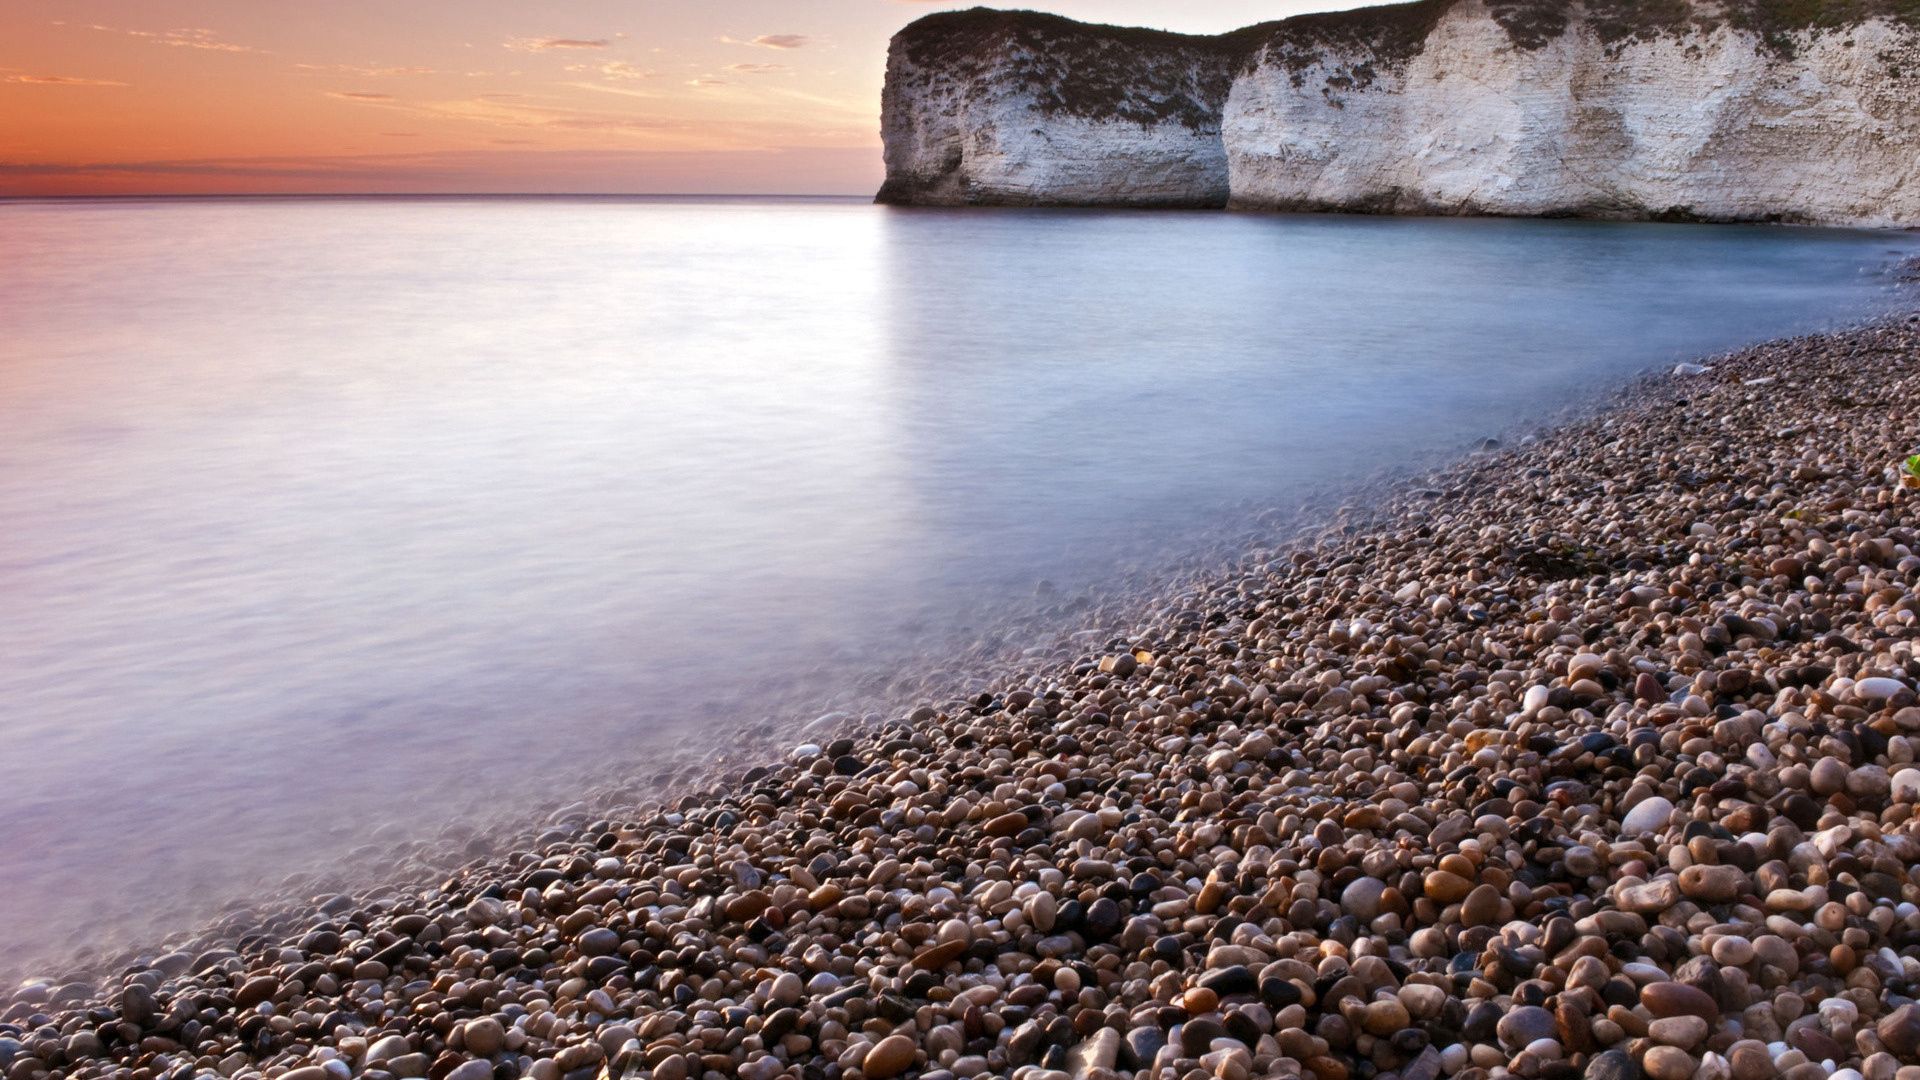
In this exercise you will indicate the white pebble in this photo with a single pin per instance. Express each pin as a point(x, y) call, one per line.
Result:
point(1878, 689)
point(1646, 816)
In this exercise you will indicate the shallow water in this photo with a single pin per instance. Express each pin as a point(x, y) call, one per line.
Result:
point(321, 516)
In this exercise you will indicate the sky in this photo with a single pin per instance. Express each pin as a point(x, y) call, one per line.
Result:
point(132, 97)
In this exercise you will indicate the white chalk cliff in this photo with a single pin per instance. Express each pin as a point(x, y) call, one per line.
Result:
point(1743, 110)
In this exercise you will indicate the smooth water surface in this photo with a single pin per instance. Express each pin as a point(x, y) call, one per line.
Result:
point(324, 516)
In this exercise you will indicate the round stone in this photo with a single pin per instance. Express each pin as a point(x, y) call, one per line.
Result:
point(1906, 786)
point(1446, 888)
point(484, 1036)
point(1612, 1065)
point(1646, 816)
point(1899, 1032)
point(786, 989)
point(1481, 907)
point(472, 1070)
point(1732, 951)
point(1878, 688)
point(889, 1057)
point(1525, 1024)
point(1678, 999)
point(1685, 1032)
point(1667, 1063)
point(1829, 776)
point(1385, 1017)
point(1361, 898)
point(1713, 884)
point(599, 941)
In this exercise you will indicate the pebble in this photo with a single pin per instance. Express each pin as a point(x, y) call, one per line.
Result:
point(1685, 1032)
point(599, 941)
point(484, 1036)
point(1732, 951)
point(1481, 907)
point(1361, 899)
point(1664, 999)
point(1667, 1063)
point(1712, 884)
point(1526, 1024)
point(1879, 689)
point(1446, 887)
point(890, 1056)
point(1646, 816)
point(1829, 776)
point(1612, 1065)
point(471, 1070)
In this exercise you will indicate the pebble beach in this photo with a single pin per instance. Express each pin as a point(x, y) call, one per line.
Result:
point(1593, 755)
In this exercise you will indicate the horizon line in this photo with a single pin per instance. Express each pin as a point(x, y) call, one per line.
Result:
point(106, 196)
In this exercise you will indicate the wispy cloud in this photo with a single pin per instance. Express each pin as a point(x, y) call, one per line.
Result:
point(517, 111)
point(548, 44)
point(708, 80)
point(773, 41)
point(618, 69)
point(193, 37)
point(363, 72)
point(615, 88)
point(756, 69)
point(58, 80)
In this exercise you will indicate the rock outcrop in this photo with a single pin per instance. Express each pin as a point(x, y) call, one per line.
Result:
point(1745, 110)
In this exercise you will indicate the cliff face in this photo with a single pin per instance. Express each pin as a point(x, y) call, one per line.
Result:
point(1018, 108)
point(1745, 110)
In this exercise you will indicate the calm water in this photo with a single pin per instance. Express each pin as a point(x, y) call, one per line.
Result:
point(318, 517)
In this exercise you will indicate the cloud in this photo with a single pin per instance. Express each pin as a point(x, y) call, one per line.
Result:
point(773, 41)
point(517, 111)
point(547, 44)
point(620, 69)
point(708, 80)
point(756, 69)
point(58, 80)
point(614, 88)
point(195, 37)
point(359, 95)
point(606, 123)
point(364, 72)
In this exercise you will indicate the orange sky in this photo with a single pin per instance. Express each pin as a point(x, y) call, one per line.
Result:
point(645, 96)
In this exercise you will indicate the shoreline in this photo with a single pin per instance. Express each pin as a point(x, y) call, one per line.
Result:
point(1263, 826)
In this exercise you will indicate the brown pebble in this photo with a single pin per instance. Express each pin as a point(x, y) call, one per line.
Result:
point(1667, 1063)
point(1678, 999)
point(889, 1057)
point(1481, 907)
point(1199, 1000)
point(939, 956)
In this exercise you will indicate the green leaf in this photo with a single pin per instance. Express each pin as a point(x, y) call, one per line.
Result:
point(1913, 465)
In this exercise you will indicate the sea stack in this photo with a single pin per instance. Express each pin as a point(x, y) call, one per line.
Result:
point(1739, 111)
